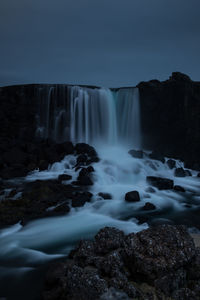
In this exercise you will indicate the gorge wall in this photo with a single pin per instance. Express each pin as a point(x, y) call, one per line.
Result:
point(169, 110)
point(170, 113)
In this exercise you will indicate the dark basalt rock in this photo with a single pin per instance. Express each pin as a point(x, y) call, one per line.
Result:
point(180, 172)
point(82, 148)
point(155, 263)
point(198, 175)
point(188, 173)
point(105, 196)
point(160, 183)
point(60, 209)
point(171, 163)
point(79, 199)
point(169, 114)
point(84, 177)
point(149, 206)
point(73, 282)
point(132, 196)
point(64, 177)
point(136, 153)
point(81, 160)
point(36, 199)
point(179, 188)
point(157, 156)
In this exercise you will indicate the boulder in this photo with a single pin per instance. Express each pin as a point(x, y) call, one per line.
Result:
point(160, 183)
point(171, 163)
point(60, 209)
point(132, 196)
point(149, 206)
point(82, 148)
point(157, 252)
point(136, 153)
point(105, 196)
point(158, 263)
point(188, 173)
point(79, 199)
point(180, 172)
point(64, 177)
point(84, 177)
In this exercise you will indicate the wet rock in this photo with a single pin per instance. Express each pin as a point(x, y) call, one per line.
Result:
point(79, 199)
point(82, 148)
point(179, 188)
point(157, 156)
point(198, 175)
point(90, 169)
point(61, 209)
point(161, 221)
point(132, 196)
point(105, 196)
point(171, 163)
point(34, 202)
point(188, 173)
point(81, 160)
point(149, 206)
point(64, 177)
point(136, 153)
point(160, 183)
point(84, 177)
point(180, 172)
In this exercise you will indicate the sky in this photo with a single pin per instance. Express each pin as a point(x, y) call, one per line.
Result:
point(109, 43)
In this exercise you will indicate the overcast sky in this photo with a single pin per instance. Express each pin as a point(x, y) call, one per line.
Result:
point(99, 42)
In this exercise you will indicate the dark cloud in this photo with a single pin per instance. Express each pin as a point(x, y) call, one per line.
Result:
point(100, 42)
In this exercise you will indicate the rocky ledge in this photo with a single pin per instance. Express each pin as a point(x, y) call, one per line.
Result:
point(160, 263)
point(43, 198)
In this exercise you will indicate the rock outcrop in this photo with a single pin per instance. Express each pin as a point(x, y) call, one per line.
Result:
point(156, 263)
point(170, 117)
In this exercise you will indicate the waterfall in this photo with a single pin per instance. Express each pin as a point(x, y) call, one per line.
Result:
point(90, 115)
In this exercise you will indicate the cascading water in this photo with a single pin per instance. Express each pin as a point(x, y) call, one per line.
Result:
point(110, 120)
point(90, 115)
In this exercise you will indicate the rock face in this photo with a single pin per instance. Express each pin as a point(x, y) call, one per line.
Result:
point(156, 263)
point(170, 117)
